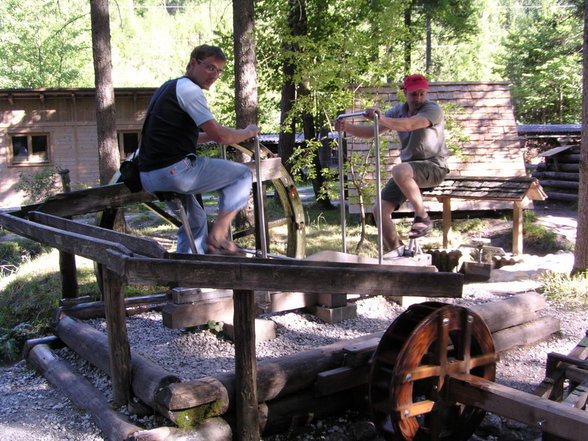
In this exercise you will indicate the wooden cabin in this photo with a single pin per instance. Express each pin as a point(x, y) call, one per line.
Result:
point(42, 128)
point(483, 117)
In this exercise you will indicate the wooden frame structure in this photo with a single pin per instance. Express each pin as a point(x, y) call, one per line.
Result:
point(127, 259)
point(517, 190)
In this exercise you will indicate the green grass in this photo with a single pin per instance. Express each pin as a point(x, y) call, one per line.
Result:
point(565, 289)
point(29, 297)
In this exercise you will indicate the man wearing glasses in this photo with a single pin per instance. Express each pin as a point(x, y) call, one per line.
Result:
point(177, 119)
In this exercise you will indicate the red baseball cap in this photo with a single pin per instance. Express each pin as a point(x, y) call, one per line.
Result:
point(415, 82)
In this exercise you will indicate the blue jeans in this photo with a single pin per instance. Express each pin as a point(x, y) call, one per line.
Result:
point(197, 175)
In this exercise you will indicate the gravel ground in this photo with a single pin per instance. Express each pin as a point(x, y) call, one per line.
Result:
point(34, 411)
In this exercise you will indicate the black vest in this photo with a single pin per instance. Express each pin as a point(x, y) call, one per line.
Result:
point(169, 133)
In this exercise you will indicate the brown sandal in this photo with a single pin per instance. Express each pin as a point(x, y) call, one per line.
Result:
point(420, 231)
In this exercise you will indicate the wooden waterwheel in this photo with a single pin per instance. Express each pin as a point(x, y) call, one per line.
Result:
point(418, 351)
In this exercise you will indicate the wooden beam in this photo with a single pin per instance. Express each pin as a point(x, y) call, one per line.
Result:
point(139, 245)
point(446, 221)
point(517, 228)
point(550, 416)
point(118, 340)
point(259, 274)
point(74, 243)
point(247, 412)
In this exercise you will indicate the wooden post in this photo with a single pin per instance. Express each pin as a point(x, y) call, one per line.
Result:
point(446, 221)
point(67, 261)
point(247, 412)
point(517, 227)
point(118, 340)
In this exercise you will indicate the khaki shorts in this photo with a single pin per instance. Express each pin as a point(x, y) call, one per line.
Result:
point(427, 175)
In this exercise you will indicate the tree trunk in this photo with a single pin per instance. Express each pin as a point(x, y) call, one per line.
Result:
point(286, 139)
point(108, 154)
point(581, 248)
point(408, 42)
point(309, 128)
point(245, 84)
point(245, 72)
point(297, 26)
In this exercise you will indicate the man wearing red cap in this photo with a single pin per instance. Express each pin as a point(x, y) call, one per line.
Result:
point(423, 153)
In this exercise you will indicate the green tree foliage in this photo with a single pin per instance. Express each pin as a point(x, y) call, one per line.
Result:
point(542, 58)
point(45, 44)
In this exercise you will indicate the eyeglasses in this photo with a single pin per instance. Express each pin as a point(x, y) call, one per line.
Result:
point(211, 68)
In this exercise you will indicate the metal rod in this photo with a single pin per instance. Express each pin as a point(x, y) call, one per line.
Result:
point(260, 207)
point(342, 182)
point(186, 224)
point(342, 195)
point(350, 115)
point(223, 153)
point(378, 185)
point(257, 253)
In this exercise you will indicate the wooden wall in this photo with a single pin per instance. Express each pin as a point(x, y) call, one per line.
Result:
point(484, 114)
point(68, 116)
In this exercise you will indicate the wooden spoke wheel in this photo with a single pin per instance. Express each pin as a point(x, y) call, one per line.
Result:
point(424, 345)
point(285, 209)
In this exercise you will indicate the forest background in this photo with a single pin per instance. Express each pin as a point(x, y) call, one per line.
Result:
point(319, 47)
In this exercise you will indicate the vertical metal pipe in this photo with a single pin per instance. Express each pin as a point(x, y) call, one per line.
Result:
point(378, 186)
point(223, 153)
point(342, 182)
point(260, 206)
point(342, 195)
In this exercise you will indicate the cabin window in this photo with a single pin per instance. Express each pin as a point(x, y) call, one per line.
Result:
point(30, 149)
point(128, 142)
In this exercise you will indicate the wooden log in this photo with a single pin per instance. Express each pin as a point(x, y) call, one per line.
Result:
point(275, 378)
point(51, 341)
point(569, 185)
point(563, 176)
point(81, 392)
point(509, 312)
point(525, 334)
point(148, 378)
point(567, 197)
point(575, 168)
point(302, 409)
point(569, 157)
point(133, 305)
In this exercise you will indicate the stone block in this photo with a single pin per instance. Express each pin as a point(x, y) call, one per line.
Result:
point(264, 330)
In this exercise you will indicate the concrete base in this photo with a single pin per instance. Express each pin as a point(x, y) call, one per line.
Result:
point(406, 301)
point(334, 315)
point(264, 330)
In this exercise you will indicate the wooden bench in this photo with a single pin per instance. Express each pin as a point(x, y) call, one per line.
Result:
point(519, 190)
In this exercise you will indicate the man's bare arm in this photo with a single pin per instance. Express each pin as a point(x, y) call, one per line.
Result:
point(213, 131)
